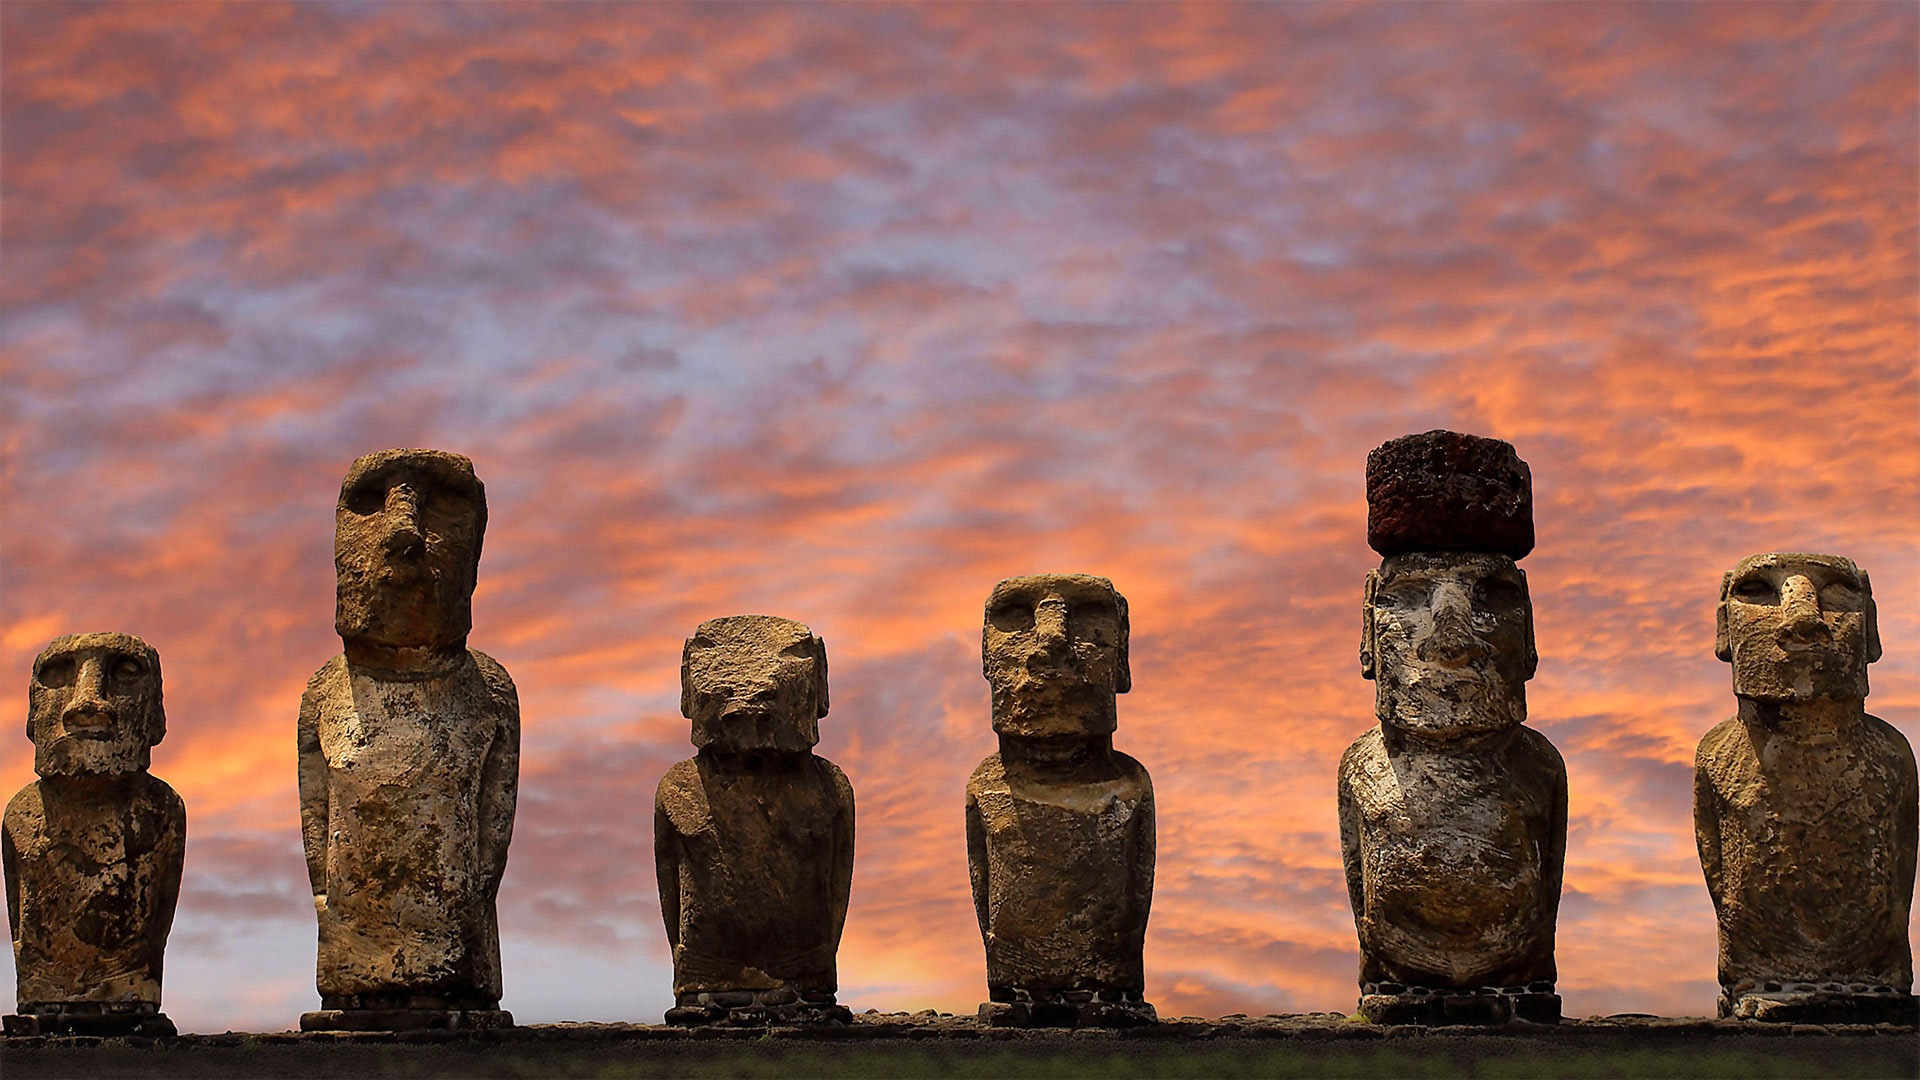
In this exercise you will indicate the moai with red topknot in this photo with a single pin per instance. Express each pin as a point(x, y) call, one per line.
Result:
point(93, 849)
point(1060, 828)
point(409, 749)
point(1805, 808)
point(1453, 815)
point(753, 836)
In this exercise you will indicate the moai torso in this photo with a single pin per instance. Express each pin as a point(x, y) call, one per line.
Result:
point(1805, 806)
point(409, 759)
point(1060, 826)
point(93, 849)
point(1453, 815)
point(753, 836)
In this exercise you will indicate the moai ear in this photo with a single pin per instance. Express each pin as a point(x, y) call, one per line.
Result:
point(820, 673)
point(1123, 671)
point(1366, 623)
point(1722, 640)
point(1533, 653)
point(1873, 618)
point(686, 683)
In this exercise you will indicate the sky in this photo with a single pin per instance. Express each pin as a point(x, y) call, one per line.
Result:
point(844, 313)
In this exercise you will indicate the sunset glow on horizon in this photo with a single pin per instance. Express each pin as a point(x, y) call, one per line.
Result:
point(846, 312)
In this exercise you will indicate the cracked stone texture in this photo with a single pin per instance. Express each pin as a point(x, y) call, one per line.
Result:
point(753, 835)
point(1060, 826)
point(409, 748)
point(1453, 815)
point(1444, 491)
point(1805, 806)
point(93, 849)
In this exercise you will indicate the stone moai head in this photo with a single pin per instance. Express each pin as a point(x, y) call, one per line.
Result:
point(754, 683)
point(94, 706)
point(1797, 627)
point(1447, 625)
point(1054, 651)
point(406, 549)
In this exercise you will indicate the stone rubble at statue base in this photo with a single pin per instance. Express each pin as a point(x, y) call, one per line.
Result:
point(1389, 1003)
point(1016, 1008)
point(109, 1019)
point(405, 1020)
point(757, 1008)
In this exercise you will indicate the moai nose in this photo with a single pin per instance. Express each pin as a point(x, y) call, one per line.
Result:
point(402, 517)
point(88, 707)
point(1800, 610)
point(1452, 640)
point(1050, 628)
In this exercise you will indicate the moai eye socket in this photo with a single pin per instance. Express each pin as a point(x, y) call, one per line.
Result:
point(1011, 616)
point(1755, 590)
point(368, 497)
point(127, 669)
point(1403, 595)
point(1088, 619)
point(800, 649)
point(58, 671)
point(1498, 594)
point(1839, 595)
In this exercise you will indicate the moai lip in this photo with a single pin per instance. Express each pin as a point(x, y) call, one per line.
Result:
point(93, 849)
point(753, 835)
point(1805, 806)
point(1060, 826)
point(1452, 811)
point(409, 748)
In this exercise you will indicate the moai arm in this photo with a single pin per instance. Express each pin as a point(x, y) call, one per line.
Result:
point(1556, 839)
point(1706, 825)
point(1906, 816)
point(977, 862)
point(666, 869)
point(10, 865)
point(1145, 846)
point(500, 779)
point(1350, 843)
point(171, 853)
point(313, 791)
point(842, 852)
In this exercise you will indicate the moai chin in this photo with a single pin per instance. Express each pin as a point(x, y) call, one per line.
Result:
point(1453, 816)
point(93, 849)
point(1804, 806)
point(409, 759)
point(1060, 833)
point(753, 835)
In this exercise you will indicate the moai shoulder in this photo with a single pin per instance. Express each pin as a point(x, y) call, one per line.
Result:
point(1060, 826)
point(93, 850)
point(1806, 810)
point(753, 836)
point(1453, 815)
point(409, 747)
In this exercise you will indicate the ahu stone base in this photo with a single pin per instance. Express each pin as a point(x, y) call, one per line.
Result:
point(108, 1019)
point(1388, 1003)
point(405, 1020)
point(757, 1008)
point(1067, 1009)
point(1822, 1003)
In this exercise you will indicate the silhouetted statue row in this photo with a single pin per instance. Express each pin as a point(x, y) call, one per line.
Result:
point(1453, 814)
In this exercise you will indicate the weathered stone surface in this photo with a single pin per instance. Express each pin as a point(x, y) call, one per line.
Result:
point(1806, 808)
point(1444, 491)
point(409, 747)
point(93, 849)
point(1453, 815)
point(1060, 826)
point(753, 836)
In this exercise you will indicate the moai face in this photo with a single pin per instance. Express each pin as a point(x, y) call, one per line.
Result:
point(1797, 627)
point(1448, 639)
point(94, 706)
point(406, 549)
point(754, 683)
point(1054, 650)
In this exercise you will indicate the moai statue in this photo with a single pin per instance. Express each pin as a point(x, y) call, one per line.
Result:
point(1060, 837)
point(1804, 806)
point(1453, 816)
point(753, 835)
point(409, 759)
point(93, 849)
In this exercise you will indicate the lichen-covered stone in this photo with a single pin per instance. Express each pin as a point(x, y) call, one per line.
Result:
point(1444, 491)
point(93, 849)
point(1805, 807)
point(753, 836)
point(409, 746)
point(1060, 826)
point(1453, 815)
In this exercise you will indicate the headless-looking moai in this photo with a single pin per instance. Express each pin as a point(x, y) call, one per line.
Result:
point(409, 759)
point(1453, 816)
point(93, 849)
point(1804, 806)
point(1060, 831)
point(753, 836)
